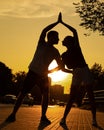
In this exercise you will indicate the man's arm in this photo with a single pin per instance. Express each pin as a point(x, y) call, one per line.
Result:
point(45, 30)
point(67, 70)
point(54, 69)
point(60, 68)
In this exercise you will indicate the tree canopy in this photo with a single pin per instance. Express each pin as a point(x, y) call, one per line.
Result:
point(91, 13)
point(5, 79)
point(98, 74)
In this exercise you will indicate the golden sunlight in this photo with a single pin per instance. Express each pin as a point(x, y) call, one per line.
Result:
point(57, 75)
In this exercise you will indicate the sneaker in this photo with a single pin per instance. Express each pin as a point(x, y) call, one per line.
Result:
point(11, 118)
point(45, 120)
point(63, 121)
point(94, 123)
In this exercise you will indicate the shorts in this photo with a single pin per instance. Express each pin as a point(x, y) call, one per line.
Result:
point(33, 79)
point(82, 77)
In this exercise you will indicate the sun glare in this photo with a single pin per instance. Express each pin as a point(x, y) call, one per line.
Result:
point(57, 75)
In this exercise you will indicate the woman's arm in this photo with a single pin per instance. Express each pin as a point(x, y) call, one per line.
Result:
point(67, 70)
point(54, 69)
point(60, 68)
point(75, 35)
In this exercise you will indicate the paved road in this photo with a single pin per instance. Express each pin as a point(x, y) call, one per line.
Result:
point(28, 119)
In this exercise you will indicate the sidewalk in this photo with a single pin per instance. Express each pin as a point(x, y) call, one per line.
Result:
point(28, 119)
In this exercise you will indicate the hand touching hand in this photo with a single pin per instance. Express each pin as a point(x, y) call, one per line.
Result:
point(60, 18)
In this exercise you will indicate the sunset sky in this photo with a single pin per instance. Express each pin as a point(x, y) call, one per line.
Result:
point(21, 22)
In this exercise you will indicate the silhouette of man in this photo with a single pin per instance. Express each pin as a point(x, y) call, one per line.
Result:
point(74, 59)
point(38, 70)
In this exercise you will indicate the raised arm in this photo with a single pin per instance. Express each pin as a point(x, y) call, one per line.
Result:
point(73, 30)
point(45, 30)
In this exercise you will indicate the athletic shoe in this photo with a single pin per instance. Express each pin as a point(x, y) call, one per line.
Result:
point(11, 118)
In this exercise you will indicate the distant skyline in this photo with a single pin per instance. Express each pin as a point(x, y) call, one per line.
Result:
point(21, 22)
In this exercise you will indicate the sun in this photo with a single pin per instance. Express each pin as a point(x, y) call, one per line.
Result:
point(57, 75)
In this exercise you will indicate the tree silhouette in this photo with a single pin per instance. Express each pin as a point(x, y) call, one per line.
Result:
point(18, 79)
point(96, 69)
point(98, 74)
point(5, 79)
point(91, 13)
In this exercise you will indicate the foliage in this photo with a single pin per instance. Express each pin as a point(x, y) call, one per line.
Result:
point(96, 69)
point(98, 74)
point(18, 79)
point(91, 13)
point(10, 83)
point(5, 79)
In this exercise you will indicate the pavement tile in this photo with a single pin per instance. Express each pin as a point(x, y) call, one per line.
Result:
point(28, 118)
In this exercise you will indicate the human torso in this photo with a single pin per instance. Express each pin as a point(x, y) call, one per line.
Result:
point(44, 55)
point(73, 58)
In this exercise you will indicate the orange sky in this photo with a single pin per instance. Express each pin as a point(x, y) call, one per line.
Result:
point(22, 22)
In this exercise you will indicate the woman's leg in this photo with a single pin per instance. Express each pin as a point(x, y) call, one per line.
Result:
point(72, 96)
point(92, 101)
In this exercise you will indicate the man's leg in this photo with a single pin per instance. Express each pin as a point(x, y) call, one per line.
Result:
point(44, 86)
point(12, 116)
point(18, 103)
point(44, 103)
point(44, 119)
point(28, 84)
